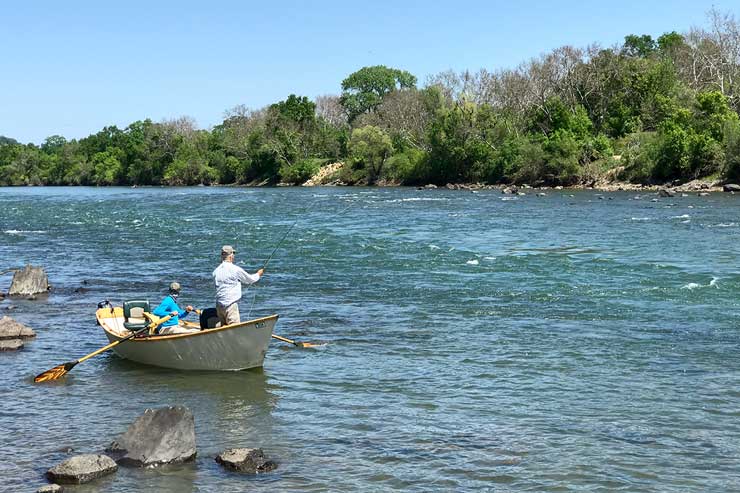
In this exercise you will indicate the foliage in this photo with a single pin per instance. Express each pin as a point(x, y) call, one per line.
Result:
point(301, 171)
point(363, 91)
point(668, 106)
point(731, 144)
point(369, 148)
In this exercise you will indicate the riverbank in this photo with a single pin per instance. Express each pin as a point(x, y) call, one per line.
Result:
point(328, 175)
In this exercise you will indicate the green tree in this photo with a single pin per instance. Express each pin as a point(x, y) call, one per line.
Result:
point(296, 108)
point(363, 91)
point(638, 46)
point(369, 148)
point(107, 166)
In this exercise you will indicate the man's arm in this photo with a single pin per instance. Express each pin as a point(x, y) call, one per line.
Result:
point(247, 278)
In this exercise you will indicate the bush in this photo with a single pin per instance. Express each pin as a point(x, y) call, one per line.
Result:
point(369, 148)
point(300, 171)
point(530, 162)
point(638, 157)
point(705, 156)
point(563, 152)
point(595, 148)
point(731, 144)
point(405, 168)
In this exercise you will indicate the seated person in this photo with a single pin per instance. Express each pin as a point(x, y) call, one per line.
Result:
point(169, 306)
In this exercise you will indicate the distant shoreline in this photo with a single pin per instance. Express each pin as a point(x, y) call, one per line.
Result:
point(693, 186)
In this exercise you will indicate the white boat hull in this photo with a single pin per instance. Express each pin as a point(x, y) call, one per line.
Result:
point(232, 347)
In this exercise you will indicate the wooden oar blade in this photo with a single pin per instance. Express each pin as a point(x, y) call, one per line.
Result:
point(308, 344)
point(55, 373)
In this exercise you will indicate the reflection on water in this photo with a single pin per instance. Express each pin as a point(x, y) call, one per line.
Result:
point(232, 404)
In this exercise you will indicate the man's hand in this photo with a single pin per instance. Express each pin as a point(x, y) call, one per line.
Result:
point(174, 313)
point(261, 272)
point(189, 308)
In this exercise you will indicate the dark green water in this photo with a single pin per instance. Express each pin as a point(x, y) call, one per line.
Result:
point(475, 341)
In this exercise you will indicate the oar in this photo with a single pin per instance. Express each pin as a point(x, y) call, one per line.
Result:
point(296, 343)
point(63, 369)
point(284, 339)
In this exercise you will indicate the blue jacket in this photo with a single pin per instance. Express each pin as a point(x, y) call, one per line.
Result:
point(168, 306)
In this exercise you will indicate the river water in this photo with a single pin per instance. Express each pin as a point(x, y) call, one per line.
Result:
point(474, 341)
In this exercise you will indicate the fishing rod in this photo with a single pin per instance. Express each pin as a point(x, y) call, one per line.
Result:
point(280, 243)
point(291, 228)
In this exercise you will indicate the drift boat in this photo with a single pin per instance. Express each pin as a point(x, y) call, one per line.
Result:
point(231, 347)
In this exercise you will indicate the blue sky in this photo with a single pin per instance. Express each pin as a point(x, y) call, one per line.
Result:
point(71, 68)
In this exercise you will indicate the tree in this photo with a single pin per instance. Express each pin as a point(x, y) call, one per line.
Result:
point(7, 141)
point(369, 148)
point(53, 144)
point(329, 108)
point(638, 46)
point(363, 91)
point(296, 108)
point(405, 116)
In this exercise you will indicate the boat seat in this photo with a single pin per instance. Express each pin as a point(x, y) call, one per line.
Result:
point(209, 318)
point(133, 314)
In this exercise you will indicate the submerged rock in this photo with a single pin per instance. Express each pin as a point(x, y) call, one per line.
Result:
point(161, 436)
point(29, 280)
point(247, 460)
point(50, 488)
point(664, 192)
point(82, 469)
point(10, 329)
point(11, 344)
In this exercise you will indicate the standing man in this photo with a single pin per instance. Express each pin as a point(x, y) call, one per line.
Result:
point(229, 278)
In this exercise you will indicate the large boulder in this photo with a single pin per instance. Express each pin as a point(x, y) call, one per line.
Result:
point(161, 436)
point(247, 460)
point(82, 469)
point(10, 329)
point(29, 280)
point(731, 187)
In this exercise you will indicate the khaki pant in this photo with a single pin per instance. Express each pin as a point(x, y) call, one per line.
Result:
point(228, 314)
point(177, 329)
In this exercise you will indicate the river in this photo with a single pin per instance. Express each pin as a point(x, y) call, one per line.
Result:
point(473, 341)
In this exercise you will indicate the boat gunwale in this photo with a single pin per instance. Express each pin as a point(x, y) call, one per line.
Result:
point(166, 337)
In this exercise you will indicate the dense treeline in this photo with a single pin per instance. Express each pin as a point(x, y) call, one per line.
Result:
point(649, 110)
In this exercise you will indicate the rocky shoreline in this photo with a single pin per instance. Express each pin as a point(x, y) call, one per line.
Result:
point(692, 186)
point(326, 176)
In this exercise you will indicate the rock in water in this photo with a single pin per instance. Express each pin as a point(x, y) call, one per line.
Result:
point(29, 280)
point(10, 329)
point(50, 488)
point(11, 344)
point(161, 436)
point(731, 187)
point(248, 460)
point(82, 469)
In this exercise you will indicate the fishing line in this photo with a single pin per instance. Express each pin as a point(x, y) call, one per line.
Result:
point(254, 297)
